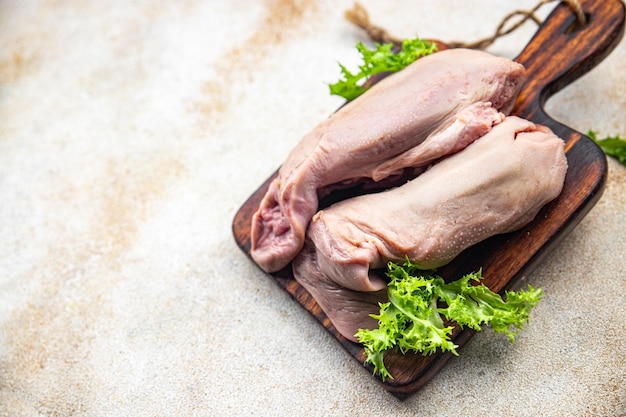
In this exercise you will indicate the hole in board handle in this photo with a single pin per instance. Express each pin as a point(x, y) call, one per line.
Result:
point(577, 25)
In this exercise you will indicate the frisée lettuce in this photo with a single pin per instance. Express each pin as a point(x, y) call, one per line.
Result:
point(412, 319)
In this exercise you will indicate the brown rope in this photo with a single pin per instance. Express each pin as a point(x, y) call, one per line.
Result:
point(358, 16)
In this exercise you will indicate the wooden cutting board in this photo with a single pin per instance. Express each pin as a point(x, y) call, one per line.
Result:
point(560, 52)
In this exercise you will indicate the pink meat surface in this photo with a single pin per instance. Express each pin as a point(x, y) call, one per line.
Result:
point(434, 107)
point(496, 185)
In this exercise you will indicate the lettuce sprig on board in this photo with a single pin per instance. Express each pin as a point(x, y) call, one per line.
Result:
point(412, 319)
point(382, 59)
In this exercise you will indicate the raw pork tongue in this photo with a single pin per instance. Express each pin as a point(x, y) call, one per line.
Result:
point(495, 185)
point(435, 106)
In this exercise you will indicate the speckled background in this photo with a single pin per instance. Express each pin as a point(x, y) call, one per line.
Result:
point(130, 134)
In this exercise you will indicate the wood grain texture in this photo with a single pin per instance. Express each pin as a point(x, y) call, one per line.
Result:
point(560, 52)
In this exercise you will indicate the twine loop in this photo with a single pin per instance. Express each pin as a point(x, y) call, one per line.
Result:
point(359, 17)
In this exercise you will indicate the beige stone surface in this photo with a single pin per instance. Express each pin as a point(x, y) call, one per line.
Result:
point(130, 134)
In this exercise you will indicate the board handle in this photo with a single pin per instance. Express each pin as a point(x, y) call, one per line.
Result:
point(563, 49)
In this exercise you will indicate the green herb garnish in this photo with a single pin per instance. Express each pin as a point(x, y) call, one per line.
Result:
point(412, 318)
point(380, 60)
point(614, 146)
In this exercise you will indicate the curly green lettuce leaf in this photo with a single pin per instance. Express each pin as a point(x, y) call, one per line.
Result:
point(474, 306)
point(382, 59)
point(412, 318)
point(408, 322)
point(614, 146)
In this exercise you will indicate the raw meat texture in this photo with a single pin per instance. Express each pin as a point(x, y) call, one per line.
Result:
point(495, 185)
point(435, 106)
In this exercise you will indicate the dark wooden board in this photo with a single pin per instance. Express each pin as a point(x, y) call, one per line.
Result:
point(561, 51)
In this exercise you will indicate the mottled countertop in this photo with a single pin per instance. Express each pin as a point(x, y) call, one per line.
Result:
point(131, 133)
